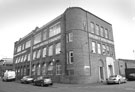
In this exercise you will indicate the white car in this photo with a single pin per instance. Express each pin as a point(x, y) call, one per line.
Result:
point(116, 79)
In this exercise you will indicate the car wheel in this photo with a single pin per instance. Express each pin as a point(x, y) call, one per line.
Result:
point(119, 82)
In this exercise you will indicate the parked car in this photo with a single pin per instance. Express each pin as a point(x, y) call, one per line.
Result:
point(9, 75)
point(131, 76)
point(27, 79)
point(116, 79)
point(43, 81)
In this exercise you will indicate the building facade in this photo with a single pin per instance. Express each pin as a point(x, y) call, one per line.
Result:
point(75, 47)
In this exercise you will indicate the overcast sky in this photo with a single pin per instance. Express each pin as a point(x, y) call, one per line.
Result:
point(19, 17)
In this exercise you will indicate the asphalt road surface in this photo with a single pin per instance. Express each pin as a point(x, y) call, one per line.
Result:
point(18, 87)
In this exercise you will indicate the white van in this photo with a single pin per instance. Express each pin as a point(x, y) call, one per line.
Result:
point(9, 75)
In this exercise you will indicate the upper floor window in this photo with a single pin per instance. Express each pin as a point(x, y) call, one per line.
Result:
point(102, 31)
point(69, 37)
point(28, 44)
point(37, 38)
point(45, 34)
point(99, 48)
point(19, 48)
point(106, 33)
point(103, 49)
point(38, 53)
point(57, 48)
point(92, 27)
point(97, 29)
point(55, 29)
point(50, 50)
point(93, 47)
point(34, 55)
point(23, 47)
point(29, 57)
point(44, 52)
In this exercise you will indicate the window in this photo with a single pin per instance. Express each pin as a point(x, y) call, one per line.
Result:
point(58, 69)
point(103, 49)
point(107, 50)
point(24, 71)
point(28, 44)
point(102, 31)
point(34, 70)
point(34, 55)
point(50, 52)
point(38, 53)
point(70, 57)
point(99, 48)
point(97, 29)
point(106, 33)
point(44, 52)
point(92, 27)
point(19, 48)
point(22, 58)
point(55, 29)
point(69, 37)
point(38, 69)
point(23, 47)
point(25, 57)
point(93, 47)
point(37, 38)
point(57, 48)
point(45, 34)
point(44, 69)
point(29, 57)
point(50, 68)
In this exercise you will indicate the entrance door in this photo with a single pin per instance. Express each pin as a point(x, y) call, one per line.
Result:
point(110, 70)
point(101, 71)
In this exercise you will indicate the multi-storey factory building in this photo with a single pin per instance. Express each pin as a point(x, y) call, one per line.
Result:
point(75, 47)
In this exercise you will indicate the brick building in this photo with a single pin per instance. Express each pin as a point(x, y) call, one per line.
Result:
point(75, 47)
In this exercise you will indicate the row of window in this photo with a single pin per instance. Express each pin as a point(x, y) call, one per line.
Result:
point(102, 48)
point(41, 70)
point(46, 51)
point(99, 30)
point(53, 30)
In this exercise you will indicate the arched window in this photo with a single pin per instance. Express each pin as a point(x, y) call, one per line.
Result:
point(38, 69)
point(44, 69)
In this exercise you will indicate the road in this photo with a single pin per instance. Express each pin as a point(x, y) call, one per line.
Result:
point(18, 87)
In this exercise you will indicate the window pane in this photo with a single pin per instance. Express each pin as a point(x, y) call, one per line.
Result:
point(57, 48)
point(50, 52)
point(93, 47)
point(71, 58)
point(99, 48)
point(44, 69)
point(106, 33)
point(92, 27)
point(44, 52)
point(102, 32)
point(38, 53)
point(97, 29)
point(45, 34)
point(28, 43)
point(37, 38)
point(70, 37)
point(34, 55)
point(55, 29)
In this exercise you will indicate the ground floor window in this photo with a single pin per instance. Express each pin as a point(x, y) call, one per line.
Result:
point(58, 69)
point(44, 69)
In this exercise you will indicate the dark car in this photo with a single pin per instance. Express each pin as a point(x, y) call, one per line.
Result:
point(131, 76)
point(43, 81)
point(27, 79)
